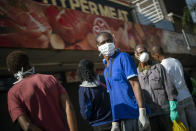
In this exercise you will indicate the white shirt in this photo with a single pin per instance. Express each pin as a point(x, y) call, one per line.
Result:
point(175, 70)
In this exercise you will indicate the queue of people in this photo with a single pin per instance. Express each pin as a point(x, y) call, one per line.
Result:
point(127, 98)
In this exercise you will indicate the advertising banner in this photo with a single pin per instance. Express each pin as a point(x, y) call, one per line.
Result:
point(30, 24)
point(67, 25)
point(116, 9)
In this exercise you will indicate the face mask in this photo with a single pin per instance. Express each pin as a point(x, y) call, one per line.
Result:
point(19, 76)
point(107, 49)
point(144, 57)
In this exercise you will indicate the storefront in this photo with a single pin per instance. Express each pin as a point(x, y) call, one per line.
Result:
point(57, 38)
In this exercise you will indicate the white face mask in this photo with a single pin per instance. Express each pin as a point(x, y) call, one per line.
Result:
point(144, 57)
point(19, 76)
point(107, 49)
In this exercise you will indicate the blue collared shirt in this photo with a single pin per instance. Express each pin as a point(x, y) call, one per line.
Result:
point(121, 68)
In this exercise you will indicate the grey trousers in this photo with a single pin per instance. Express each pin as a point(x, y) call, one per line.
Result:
point(129, 125)
point(187, 113)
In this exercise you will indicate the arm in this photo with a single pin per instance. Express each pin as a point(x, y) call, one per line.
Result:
point(143, 121)
point(137, 91)
point(66, 105)
point(26, 124)
point(71, 117)
point(168, 85)
point(130, 71)
point(18, 112)
point(131, 74)
point(171, 93)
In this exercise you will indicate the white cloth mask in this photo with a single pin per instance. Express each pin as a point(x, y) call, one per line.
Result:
point(144, 57)
point(19, 76)
point(107, 49)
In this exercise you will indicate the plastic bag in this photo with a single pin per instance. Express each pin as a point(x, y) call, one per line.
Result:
point(179, 126)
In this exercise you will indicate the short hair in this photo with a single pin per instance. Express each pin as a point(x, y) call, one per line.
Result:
point(17, 60)
point(86, 70)
point(157, 49)
point(138, 46)
point(107, 34)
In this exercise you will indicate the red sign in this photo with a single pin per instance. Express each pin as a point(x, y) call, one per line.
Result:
point(31, 24)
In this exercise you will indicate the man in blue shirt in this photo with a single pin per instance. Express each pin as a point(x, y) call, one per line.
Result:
point(123, 86)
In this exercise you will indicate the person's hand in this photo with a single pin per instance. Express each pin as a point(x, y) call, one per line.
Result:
point(143, 121)
point(115, 126)
point(174, 115)
point(173, 111)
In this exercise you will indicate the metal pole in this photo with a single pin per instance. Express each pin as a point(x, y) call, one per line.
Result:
point(186, 40)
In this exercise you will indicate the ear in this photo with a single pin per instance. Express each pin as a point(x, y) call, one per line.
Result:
point(9, 70)
point(136, 55)
point(114, 38)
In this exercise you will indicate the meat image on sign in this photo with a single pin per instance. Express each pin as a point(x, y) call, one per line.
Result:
point(31, 24)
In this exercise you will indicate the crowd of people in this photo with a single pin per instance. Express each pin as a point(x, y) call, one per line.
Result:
point(149, 97)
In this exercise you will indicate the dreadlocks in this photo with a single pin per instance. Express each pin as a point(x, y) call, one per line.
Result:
point(17, 60)
point(85, 71)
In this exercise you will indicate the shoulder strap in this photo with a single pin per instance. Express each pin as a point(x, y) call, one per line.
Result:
point(110, 73)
